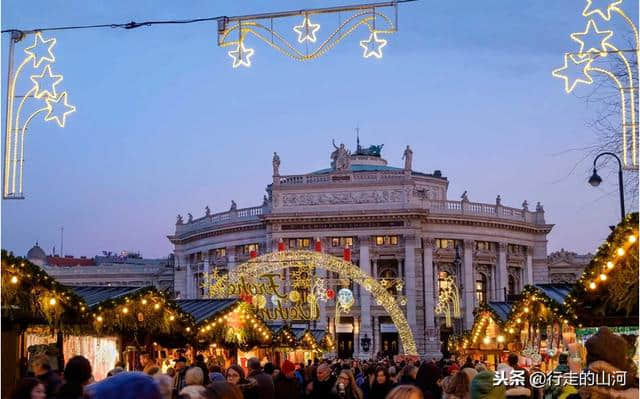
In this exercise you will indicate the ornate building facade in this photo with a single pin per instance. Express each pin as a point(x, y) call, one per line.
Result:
point(567, 267)
point(399, 223)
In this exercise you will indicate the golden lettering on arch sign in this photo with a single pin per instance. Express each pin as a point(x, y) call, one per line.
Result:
point(277, 303)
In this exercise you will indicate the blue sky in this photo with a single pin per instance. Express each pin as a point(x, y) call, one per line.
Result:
point(165, 126)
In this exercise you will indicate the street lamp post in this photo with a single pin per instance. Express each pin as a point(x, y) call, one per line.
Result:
point(595, 179)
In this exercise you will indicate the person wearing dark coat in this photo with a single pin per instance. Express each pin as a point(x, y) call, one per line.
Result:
point(48, 378)
point(77, 374)
point(381, 384)
point(265, 381)
point(248, 386)
point(322, 384)
point(427, 380)
point(286, 384)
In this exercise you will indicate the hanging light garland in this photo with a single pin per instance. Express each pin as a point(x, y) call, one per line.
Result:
point(611, 273)
point(448, 300)
point(238, 325)
point(233, 32)
point(147, 310)
point(29, 294)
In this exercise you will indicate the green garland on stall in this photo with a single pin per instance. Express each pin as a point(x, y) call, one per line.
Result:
point(618, 294)
point(30, 297)
point(235, 327)
point(147, 310)
point(536, 316)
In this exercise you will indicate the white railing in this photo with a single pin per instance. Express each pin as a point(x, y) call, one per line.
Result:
point(476, 208)
point(328, 178)
point(216, 219)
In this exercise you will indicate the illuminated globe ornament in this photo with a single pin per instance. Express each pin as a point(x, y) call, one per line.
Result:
point(259, 301)
point(331, 293)
point(294, 296)
point(345, 299)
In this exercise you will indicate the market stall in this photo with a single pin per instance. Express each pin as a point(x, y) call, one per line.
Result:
point(487, 340)
point(231, 331)
point(607, 292)
point(540, 326)
point(125, 320)
point(36, 309)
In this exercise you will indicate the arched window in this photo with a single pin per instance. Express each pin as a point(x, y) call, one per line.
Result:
point(481, 288)
point(512, 285)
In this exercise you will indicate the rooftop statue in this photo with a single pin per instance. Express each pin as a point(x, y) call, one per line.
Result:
point(340, 158)
point(372, 151)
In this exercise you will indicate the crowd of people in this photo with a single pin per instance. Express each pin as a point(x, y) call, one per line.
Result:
point(323, 379)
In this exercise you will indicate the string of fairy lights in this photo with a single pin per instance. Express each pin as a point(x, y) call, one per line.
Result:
point(579, 65)
point(232, 32)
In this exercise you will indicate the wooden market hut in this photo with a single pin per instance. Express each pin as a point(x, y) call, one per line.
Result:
point(32, 301)
point(487, 339)
point(607, 292)
point(124, 320)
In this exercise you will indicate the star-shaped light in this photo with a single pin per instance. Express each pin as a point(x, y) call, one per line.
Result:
point(58, 108)
point(37, 51)
point(50, 82)
point(241, 55)
point(605, 6)
point(373, 46)
point(306, 30)
point(579, 67)
point(588, 42)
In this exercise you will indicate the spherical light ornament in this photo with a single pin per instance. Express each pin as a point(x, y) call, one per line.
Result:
point(125, 310)
point(610, 265)
point(99, 318)
point(52, 301)
point(620, 251)
point(603, 277)
point(144, 301)
point(345, 298)
point(294, 296)
point(156, 306)
point(331, 293)
point(632, 239)
point(14, 280)
point(259, 301)
point(500, 339)
point(486, 340)
point(592, 285)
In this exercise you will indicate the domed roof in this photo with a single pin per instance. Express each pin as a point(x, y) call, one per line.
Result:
point(36, 253)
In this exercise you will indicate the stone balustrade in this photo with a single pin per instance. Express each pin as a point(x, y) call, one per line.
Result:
point(365, 177)
point(222, 218)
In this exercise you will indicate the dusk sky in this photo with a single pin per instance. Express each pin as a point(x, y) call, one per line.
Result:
point(165, 126)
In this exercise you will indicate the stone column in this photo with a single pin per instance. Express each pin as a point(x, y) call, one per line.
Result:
point(410, 279)
point(231, 258)
point(528, 271)
point(189, 281)
point(432, 341)
point(356, 337)
point(469, 288)
point(503, 276)
point(365, 296)
point(206, 270)
point(376, 346)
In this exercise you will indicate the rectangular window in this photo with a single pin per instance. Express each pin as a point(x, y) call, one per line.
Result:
point(303, 243)
point(444, 244)
point(484, 246)
point(220, 252)
point(292, 243)
point(335, 241)
point(247, 248)
point(393, 240)
point(379, 240)
point(386, 240)
point(341, 241)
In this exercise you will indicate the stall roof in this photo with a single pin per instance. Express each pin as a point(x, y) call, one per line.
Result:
point(95, 295)
point(501, 309)
point(202, 309)
point(557, 292)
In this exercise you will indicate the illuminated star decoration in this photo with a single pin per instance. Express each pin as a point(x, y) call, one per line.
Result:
point(589, 36)
point(241, 55)
point(44, 89)
point(571, 64)
point(58, 110)
point(373, 46)
point(306, 30)
point(36, 51)
point(591, 9)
